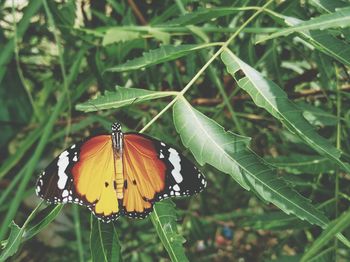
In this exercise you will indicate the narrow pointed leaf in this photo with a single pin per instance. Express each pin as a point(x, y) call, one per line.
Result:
point(104, 242)
point(229, 153)
point(328, 234)
point(13, 242)
point(303, 164)
point(117, 34)
point(121, 97)
point(51, 213)
point(340, 18)
point(202, 15)
point(268, 95)
point(157, 56)
point(322, 40)
point(164, 219)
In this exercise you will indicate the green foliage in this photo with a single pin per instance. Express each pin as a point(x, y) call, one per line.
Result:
point(340, 18)
point(104, 242)
point(121, 97)
point(164, 220)
point(229, 153)
point(12, 243)
point(268, 123)
point(157, 56)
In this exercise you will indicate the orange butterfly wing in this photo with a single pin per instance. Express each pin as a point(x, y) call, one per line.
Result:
point(154, 171)
point(144, 173)
point(83, 174)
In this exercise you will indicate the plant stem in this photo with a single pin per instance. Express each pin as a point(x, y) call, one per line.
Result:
point(192, 81)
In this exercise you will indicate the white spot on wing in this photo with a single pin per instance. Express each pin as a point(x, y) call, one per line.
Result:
point(73, 146)
point(75, 158)
point(62, 163)
point(176, 187)
point(174, 159)
point(65, 193)
point(161, 154)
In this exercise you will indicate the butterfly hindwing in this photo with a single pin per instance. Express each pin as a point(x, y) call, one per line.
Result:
point(155, 171)
point(183, 178)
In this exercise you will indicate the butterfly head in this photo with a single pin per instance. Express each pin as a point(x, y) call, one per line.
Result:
point(116, 127)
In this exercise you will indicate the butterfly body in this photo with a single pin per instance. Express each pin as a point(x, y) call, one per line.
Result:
point(119, 174)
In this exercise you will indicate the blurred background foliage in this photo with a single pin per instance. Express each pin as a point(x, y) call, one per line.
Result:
point(56, 55)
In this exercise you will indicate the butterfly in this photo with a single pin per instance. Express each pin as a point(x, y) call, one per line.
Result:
point(119, 174)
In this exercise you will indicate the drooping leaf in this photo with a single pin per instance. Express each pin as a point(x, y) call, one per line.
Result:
point(13, 242)
point(121, 97)
point(157, 56)
point(164, 219)
point(117, 34)
point(104, 242)
point(328, 234)
point(268, 95)
point(340, 18)
point(229, 153)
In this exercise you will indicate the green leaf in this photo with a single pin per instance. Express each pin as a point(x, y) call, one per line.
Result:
point(157, 56)
point(117, 34)
point(316, 116)
point(340, 18)
point(328, 234)
point(164, 37)
point(202, 15)
point(327, 5)
point(229, 153)
point(51, 213)
point(273, 221)
point(301, 164)
point(104, 242)
point(121, 97)
point(323, 40)
point(164, 219)
point(268, 95)
point(13, 242)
